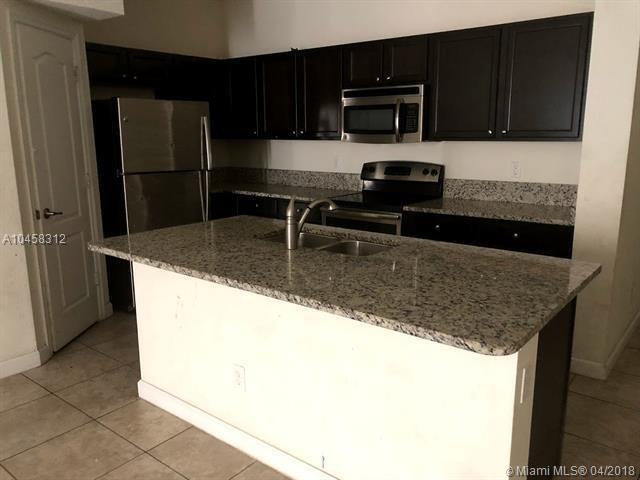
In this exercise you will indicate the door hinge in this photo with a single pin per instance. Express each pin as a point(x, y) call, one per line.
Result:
point(76, 71)
point(96, 277)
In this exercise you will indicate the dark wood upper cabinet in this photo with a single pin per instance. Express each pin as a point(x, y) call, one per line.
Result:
point(394, 61)
point(190, 78)
point(543, 77)
point(362, 64)
point(405, 60)
point(278, 95)
point(148, 68)
point(319, 93)
point(106, 64)
point(464, 83)
point(242, 99)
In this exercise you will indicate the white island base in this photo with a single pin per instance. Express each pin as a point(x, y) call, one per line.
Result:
point(319, 396)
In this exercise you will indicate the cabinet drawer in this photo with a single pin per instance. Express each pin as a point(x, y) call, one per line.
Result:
point(257, 206)
point(543, 239)
point(447, 228)
point(538, 238)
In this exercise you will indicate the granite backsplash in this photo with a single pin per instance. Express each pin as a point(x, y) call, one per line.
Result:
point(491, 190)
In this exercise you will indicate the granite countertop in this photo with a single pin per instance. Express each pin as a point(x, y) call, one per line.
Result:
point(524, 212)
point(306, 194)
point(483, 300)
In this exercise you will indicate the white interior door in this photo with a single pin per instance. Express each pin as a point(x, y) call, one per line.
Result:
point(47, 78)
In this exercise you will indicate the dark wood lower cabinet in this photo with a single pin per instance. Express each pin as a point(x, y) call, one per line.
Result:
point(527, 237)
point(550, 391)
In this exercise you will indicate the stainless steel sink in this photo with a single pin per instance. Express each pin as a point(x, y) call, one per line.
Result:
point(356, 248)
point(305, 240)
point(331, 244)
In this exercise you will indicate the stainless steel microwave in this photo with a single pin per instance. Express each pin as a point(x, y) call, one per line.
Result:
point(383, 114)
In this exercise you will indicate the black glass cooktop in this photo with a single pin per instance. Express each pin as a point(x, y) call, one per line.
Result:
point(379, 201)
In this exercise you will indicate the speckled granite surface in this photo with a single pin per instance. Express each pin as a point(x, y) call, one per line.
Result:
point(524, 212)
point(294, 178)
point(489, 190)
point(486, 301)
point(306, 194)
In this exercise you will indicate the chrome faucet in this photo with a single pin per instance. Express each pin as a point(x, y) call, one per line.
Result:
point(294, 226)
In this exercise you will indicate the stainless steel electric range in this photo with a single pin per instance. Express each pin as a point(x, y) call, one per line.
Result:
point(387, 187)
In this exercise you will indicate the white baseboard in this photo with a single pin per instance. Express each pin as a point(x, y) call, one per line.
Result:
point(589, 368)
point(265, 453)
point(601, 370)
point(622, 343)
point(106, 311)
point(24, 362)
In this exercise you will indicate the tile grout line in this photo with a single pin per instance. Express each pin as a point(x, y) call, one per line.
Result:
point(102, 475)
point(45, 441)
point(245, 468)
point(634, 409)
point(11, 475)
point(619, 450)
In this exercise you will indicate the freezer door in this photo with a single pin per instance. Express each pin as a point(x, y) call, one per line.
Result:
point(161, 135)
point(158, 200)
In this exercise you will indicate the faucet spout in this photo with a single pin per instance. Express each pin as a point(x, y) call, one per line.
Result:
point(294, 226)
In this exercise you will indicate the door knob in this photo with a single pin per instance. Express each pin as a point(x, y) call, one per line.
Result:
point(50, 213)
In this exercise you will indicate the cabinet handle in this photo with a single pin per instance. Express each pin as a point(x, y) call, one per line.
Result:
point(516, 235)
point(388, 77)
point(124, 75)
point(377, 79)
point(437, 228)
point(490, 132)
point(135, 77)
point(301, 132)
point(504, 131)
point(257, 205)
point(255, 132)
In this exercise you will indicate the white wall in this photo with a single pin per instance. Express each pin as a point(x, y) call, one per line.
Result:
point(607, 229)
point(188, 27)
point(17, 329)
point(261, 27)
point(355, 400)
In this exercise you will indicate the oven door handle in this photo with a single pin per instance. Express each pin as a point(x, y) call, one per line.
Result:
point(396, 122)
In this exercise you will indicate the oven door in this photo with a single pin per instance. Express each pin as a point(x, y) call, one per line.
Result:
point(366, 220)
point(382, 115)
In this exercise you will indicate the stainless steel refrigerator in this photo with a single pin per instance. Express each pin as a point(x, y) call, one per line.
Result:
point(154, 163)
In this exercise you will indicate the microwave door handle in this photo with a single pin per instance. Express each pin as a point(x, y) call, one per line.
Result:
point(397, 120)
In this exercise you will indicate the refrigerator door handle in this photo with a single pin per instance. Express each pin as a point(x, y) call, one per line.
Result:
point(206, 164)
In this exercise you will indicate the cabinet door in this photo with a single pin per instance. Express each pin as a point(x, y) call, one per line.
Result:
point(278, 94)
point(319, 93)
point(106, 64)
point(148, 68)
point(242, 98)
point(256, 206)
point(405, 60)
point(362, 64)
point(190, 78)
point(464, 83)
point(543, 77)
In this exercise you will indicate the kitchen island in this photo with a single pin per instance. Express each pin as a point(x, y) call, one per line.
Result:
point(425, 360)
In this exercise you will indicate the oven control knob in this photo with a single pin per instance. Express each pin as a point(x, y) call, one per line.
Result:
point(425, 171)
point(434, 172)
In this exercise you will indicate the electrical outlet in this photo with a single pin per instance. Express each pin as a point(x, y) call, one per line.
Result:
point(516, 171)
point(239, 378)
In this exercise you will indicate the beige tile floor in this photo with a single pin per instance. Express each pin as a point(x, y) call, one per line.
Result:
point(79, 417)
